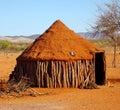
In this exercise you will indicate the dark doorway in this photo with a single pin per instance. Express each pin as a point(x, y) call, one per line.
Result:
point(100, 68)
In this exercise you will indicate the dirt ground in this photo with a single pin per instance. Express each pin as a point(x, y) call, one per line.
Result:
point(104, 98)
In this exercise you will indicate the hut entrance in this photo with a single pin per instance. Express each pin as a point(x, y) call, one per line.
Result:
point(99, 68)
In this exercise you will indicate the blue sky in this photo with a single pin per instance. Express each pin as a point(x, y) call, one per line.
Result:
point(28, 17)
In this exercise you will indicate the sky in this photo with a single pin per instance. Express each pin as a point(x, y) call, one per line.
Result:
point(29, 17)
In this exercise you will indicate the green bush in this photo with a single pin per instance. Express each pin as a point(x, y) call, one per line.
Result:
point(17, 47)
point(4, 44)
point(7, 46)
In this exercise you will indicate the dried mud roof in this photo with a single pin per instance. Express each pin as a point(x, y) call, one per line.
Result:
point(58, 42)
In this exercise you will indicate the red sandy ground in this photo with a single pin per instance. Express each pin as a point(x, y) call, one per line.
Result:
point(105, 98)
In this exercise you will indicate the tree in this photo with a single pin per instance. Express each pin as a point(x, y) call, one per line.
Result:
point(108, 23)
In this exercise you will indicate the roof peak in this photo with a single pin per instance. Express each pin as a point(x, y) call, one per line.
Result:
point(58, 20)
point(58, 25)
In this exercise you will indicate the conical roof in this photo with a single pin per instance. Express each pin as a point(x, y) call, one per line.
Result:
point(58, 42)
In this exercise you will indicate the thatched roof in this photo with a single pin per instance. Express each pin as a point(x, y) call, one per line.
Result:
point(58, 42)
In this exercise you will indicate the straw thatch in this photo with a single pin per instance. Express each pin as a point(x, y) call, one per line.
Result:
point(59, 58)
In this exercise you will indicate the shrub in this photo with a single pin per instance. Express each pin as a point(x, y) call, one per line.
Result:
point(4, 44)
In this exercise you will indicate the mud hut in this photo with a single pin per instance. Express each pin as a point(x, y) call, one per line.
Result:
point(61, 58)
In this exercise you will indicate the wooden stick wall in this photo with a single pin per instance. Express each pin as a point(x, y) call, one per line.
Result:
point(57, 74)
